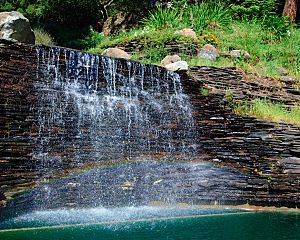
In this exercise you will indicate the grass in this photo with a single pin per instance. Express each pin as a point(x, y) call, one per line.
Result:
point(267, 51)
point(43, 38)
point(267, 110)
point(267, 54)
point(200, 16)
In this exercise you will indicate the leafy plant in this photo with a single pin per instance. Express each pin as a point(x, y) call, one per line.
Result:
point(162, 18)
point(91, 40)
point(205, 15)
point(251, 9)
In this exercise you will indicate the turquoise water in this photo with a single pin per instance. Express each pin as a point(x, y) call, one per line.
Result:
point(153, 223)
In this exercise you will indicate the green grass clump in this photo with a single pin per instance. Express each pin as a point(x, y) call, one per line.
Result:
point(162, 18)
point(43, 38)
point(267, 110)
point(200, 16)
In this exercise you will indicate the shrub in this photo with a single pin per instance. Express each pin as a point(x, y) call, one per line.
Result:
point(251, 9)
point(91, 40)
point(65, 12)
point(278, 26)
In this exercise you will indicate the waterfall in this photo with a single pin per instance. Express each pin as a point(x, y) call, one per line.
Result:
point(94, 108)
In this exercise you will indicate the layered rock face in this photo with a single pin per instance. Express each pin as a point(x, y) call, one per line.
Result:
point(266, 154)
point(16, 28)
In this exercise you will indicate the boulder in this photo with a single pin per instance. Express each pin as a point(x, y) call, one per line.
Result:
point(16, 28)
point(177, 66)
point(170, 59)
point(209, 52)
point(116, 53)
point(238, 53)
point(187, 32)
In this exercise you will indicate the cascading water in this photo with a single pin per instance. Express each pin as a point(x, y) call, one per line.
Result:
point(94, 108)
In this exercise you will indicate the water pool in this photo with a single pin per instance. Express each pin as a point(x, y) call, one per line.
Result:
point(152, 223)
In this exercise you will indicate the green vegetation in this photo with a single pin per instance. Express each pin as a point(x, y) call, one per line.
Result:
point(43, 38)
point(197, 16)
point(255, 9)
point(272, 42)
point(268, 52)
point(270, 111)
point(70, 21)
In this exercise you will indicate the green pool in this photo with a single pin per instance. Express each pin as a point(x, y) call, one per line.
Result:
point(152, 223)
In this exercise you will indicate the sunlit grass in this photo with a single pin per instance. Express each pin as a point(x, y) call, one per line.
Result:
point(268, 53)
point(43, 38)
point(267, 110)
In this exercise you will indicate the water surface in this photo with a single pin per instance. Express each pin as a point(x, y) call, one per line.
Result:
point(154, 223)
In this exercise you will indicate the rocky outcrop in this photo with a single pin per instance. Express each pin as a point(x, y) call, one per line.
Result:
point(16, 28)
point(265, 154)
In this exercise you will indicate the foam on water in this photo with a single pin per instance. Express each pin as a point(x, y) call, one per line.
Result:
point(107, 215)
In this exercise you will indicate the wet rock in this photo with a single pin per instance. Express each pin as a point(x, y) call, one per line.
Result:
point(16, 28)
point(170, 59)
point(187, 32)
point(178, 66)
point(116, 53)
point(208, 52)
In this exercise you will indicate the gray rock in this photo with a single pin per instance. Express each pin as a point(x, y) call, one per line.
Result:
point(209, 52)
point(16, 28)
point(247, 55)
point(235, 53)
point(238, 53)
point(178, 66)
point(116, 53)
point(170, 59)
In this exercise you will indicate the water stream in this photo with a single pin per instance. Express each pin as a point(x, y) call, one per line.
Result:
point(93, 108)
